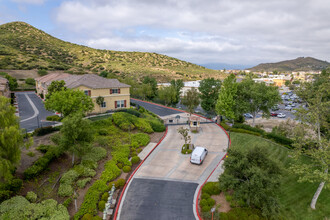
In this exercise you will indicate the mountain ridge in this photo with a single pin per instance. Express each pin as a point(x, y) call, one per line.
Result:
point(24, 47)
point(298, 64)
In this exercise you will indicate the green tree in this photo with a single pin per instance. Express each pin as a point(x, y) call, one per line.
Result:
point(55, 86)
point(99, 101)
point(12, 82)
point(191, 99)
point(42, 72)
point(209, 92)
point(254, 178)
point(184, 132)
point(178, 85)
point(287, 82)
point(10, 139)
point(76, 135)
point(168, 95)
point(69, 101)
point(254, 97)
point(316, 117)
point(226, 102)
point(30, 81)
point(153, 85)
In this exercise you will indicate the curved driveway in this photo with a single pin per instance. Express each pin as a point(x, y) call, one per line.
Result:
point(165, 186)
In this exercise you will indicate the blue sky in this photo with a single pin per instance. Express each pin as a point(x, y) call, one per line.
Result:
point(199, 31)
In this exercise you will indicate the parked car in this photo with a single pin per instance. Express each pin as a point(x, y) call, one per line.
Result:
point(293, 105)
point(198, 155)
point(273, 114)
point(281, 115)
point(248, 115)
point(275, 107)
point(288, 107)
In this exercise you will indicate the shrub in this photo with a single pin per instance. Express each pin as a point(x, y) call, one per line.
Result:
point(111, 171)
point(30, 81)
point(210, 202)
point(67, 202)
point(69, 177)
point(126, 169)
point(95, 154)
point(84, 171)
point(65, 190)
point(13, 185)
point(206, 208)
point(43, 148)
point(141, 139)
point(103, 132)
point(225, 126)
point(97, 218)
point(45, 130)
point(205, 195)
point(249, 128)
point(203, 203)
point(105, 196)
point(133, 154)
point(87, 216)
point(53, 118)
point(229, 198)
point(120, 165)
point(31, 196)
point(135, 159)
point(211, 188)
point(101, 205)
point(31, 154)
point(42, 72)
point(240, 130)
point(156, 125)
point(279, 139)
point(139, 150)
point(82, 183)
point(120, 183)
point(5, 194)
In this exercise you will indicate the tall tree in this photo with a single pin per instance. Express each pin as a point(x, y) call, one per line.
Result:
point(99, 101)
point(10, 139)
point(168, 94)
point(12, 82)
point(69, 101)
point(178, 85)
point(209, 92)
point(153, 84)
point(191, 99)
point(55, 86)
point(254, 178)
point(76, 135)
point(226, 102)
point(254, 97)
point(316, 95)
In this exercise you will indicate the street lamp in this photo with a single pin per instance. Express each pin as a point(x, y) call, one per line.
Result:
point(212, 211)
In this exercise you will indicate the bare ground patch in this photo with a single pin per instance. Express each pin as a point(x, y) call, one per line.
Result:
point(221, 200)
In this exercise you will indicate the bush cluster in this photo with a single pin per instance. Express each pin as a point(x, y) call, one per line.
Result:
point(45, 130)
point(42, 163)
point(211, 188)
point(280, 139)
point(249, 128)
point(140, 139)
point(126, 169)
point(31, 196)
point(135, 159)
point(120, 154)
point(53, 118)
point(9, 188)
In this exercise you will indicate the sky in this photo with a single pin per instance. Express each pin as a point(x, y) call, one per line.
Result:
point(244, 32)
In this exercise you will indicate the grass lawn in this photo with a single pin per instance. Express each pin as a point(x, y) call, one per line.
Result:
point(294, 197)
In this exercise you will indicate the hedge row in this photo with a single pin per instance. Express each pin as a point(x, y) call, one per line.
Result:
point(89, 205)
point(243, 128)
point(206, 202)
point(42, 163)
point(45, 130)
point(126, 122)
point(139, 140)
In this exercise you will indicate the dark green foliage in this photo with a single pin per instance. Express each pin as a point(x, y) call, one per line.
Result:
point(205, 196)
point(30, 81)
point(120, 183)
point(120, 165)
point(87, 216)
point(130, 111)
point(153, 85)
point(140, 139)
point(12, 82)
point(239, 130)
point(105, 196)
point(53, 118)
point(254, 178)
point(31, 196)
point(126, 169)
point(45, 130)
point(206, 208)
point(211, 188)
point(280, 139)
point(67, 202)
point(135, 159)
point(209, 91)
point(42, 72)
point(42, 163)
point(225, 126)
point(101, 205)
point(128, 122)
point(5, 194)
point(97, 218)
point(9, 188)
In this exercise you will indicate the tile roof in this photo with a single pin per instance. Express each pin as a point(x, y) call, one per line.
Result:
point(89, 80)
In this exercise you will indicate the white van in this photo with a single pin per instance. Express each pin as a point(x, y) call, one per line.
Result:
point(198, 155)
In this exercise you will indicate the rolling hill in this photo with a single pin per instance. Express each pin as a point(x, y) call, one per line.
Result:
point(299, 64)
point(24, 47)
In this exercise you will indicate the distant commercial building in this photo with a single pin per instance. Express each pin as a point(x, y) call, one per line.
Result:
point(4, 87)
point(186, 87)
point(116, 94)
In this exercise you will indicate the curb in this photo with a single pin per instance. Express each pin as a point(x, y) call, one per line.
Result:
point(200, 188)
point(131, 176)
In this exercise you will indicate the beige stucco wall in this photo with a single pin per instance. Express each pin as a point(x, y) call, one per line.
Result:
point(108, 98)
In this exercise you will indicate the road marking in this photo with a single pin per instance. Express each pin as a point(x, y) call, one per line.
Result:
point(36, 111)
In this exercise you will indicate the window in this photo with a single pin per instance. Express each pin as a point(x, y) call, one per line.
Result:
point(103, 105)
point(195, 123)
point(114, 91)
point(87, 92)
point(120, 104)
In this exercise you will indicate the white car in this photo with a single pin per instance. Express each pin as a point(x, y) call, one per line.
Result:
point(198, 155)
point(248, 115)
point(288, 107)
point(281, 115)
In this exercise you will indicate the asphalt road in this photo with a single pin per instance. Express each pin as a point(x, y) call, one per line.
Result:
point(149, 199)
point(158, 110)
point(32, 112)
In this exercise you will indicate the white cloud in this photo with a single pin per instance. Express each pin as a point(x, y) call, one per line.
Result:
point(33, 2)
point(234, 31)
